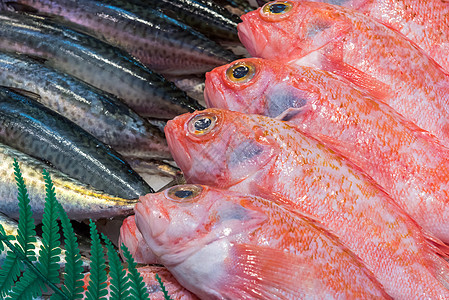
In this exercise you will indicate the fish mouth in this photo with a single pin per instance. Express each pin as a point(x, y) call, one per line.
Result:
point(248, 39)
point(174, 133)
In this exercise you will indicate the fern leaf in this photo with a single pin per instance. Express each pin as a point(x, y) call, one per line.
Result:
point(50, 250)
point(166, 296)
point(73, 277)
point(138, 289)
point(34, 280)
point(119, 282)
point(25, 233)
point(26, 237)
point(98, 276)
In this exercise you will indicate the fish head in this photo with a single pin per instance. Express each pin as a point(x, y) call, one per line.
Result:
point(219, 147)
point(282, 29)
point(182, 220)
point(259, 86)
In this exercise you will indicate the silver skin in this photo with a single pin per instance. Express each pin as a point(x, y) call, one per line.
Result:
point(97, 112)
point(95, 62)
point(158, 41)
point(79, 200)
point(36, 130)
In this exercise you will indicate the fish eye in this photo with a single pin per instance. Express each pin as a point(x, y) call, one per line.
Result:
point(276, 8)
point(183, 193)
point(202, 123)
point(241, 72)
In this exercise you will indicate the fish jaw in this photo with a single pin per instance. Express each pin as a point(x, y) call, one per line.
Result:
point(131, 237)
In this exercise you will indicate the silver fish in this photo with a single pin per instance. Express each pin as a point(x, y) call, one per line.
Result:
point(79, 201)
point(158, 41)
point(95, 62)
point(36, 130)
point(97, 112)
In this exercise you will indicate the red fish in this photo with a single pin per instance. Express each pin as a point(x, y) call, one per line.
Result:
point(225, 245)
point(354, 46)
point(131, 237)
point(269, 158)
point(424, 22)
point(411, 165)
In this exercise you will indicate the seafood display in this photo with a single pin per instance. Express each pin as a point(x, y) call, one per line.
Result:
point(316, 169)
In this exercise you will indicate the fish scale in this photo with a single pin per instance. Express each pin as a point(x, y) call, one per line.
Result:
point(316, 181)
point(158, 41)
point(38, 131)
point(99, 113)
point(226, 245)
point(85, 57)
point(356, 47)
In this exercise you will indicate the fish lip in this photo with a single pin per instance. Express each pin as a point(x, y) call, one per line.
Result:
point(172, 131)
point(244, 31)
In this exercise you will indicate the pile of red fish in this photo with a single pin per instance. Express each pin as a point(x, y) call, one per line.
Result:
point(322, 170)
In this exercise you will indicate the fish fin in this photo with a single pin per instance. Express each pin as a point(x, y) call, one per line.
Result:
point(262, 272)
point(368, 83)
point(440, 269)
point(289, 114)
point(34, 96)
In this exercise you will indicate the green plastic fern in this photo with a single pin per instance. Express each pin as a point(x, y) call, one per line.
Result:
point(137, 286)
point(24, 277)
point(98, 276)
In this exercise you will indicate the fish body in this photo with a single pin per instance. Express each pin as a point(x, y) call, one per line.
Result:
point(225, 245)
point(411, 165)
point(95, 62)
point(99, 113)
point(161, 43)
point(356, 47)
point(40, 132)
point(266, 157)
point(204, 15)
point(78, 200)
point(422, 21)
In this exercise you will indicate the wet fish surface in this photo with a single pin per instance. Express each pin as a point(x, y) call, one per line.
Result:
point(410, 164)
point(158, 41)
point(95, 62)
point(203, 15)
point(265, 157)
point(38, 131)
point(356, 47)
point(78, 200)
point(226, 245)
point(99, 113)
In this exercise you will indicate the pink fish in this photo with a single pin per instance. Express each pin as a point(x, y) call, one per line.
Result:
point(358, 48)
point(411, 165)
point(225, 245)
point(269, 158)
point(424, 22)
point(131, 237)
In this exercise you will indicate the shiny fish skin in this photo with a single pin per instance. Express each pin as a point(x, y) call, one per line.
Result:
point(203, 15)
point(406, 161)
point(226, 245)
point(79, 201)
point(266, 157)
point(36, 130)
point(364, 51)
point(94, 62)
point(424, 22)
point(97, 112)
point(158, 41)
